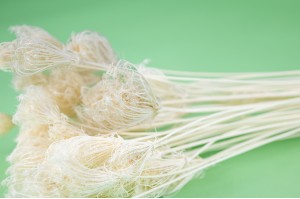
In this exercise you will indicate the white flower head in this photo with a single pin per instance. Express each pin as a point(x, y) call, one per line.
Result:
point(7, 51)
point(121, 99)
point(92, 47)
point(25, 31)
point(35, 55)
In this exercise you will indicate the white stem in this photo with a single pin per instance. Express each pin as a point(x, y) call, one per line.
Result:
point(232, 97)
point(234, 134)
point(252, 121)
point(235, 75)
point(226, 144)
point(228, 114)
point(240, 75)
point(161, 124)
point(272, 117)
point(193, 79)
point(243, 147)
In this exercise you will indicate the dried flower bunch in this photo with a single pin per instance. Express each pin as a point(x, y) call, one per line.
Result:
point(92, 125)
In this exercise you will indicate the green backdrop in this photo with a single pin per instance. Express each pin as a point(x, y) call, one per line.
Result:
point(211, 35)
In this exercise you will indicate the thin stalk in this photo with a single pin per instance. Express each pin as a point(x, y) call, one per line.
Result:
point(246, 123)
point(232, 97)
point(217, 108)
point(233, 134)
point(226, 115)
point(266, 118)
point(159, 124)
point(243, 147)
point(227, 143)
point(193, 79)
point(237, 75)
point(203, 122)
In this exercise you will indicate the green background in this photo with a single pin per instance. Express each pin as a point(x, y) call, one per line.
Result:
point(216, 35)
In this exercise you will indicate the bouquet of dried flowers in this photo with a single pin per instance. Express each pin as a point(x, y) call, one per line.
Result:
point(93, 125)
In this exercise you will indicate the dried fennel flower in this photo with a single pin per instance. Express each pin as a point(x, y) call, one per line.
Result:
point(70, 170)
point(63, 130)
point(163, 88)
point(132, 131)
point(160, 170)
point(121, 99)
point(25, 31)
point(22, 82)
point(29, 152)
point(7, 50)
point(35, 55)
point(34, 138)
point(64, 86)
point(30, 134)
point(83, 169)
point(85, 166)
point(5, 123)
point(37, 107)
point(91, 47)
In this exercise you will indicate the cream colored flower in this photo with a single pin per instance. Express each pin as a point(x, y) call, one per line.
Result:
point(91, 47)
point(5, 123)
point(120, 100)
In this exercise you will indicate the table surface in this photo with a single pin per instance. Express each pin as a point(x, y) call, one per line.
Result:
point(211, 35)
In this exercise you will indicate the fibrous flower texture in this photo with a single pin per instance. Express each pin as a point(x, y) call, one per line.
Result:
point(25, 31)
point(113, 167)
point(91, 125)
point(123, 98)
point(34, 55)
point(92, 47)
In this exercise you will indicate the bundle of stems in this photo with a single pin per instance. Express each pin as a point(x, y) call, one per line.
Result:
point(95, 126)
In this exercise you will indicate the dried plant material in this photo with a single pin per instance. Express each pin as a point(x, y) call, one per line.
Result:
point(161, 86)
point(121, 99)
point(7, 50)
point(113, 167)
point(33, 55)
point(89, 78)
point(37, 107)
point(22, 82)
point(31, 143)
point(24, 162)
point(30, 135)
point(29, 153)
point(162, 169)
point(94, 172)
point(63, 130)
point(65, 89)
point(25, 31)
point(90, 127)
point(92, 47)
point(118, 168)
point(5, 123)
